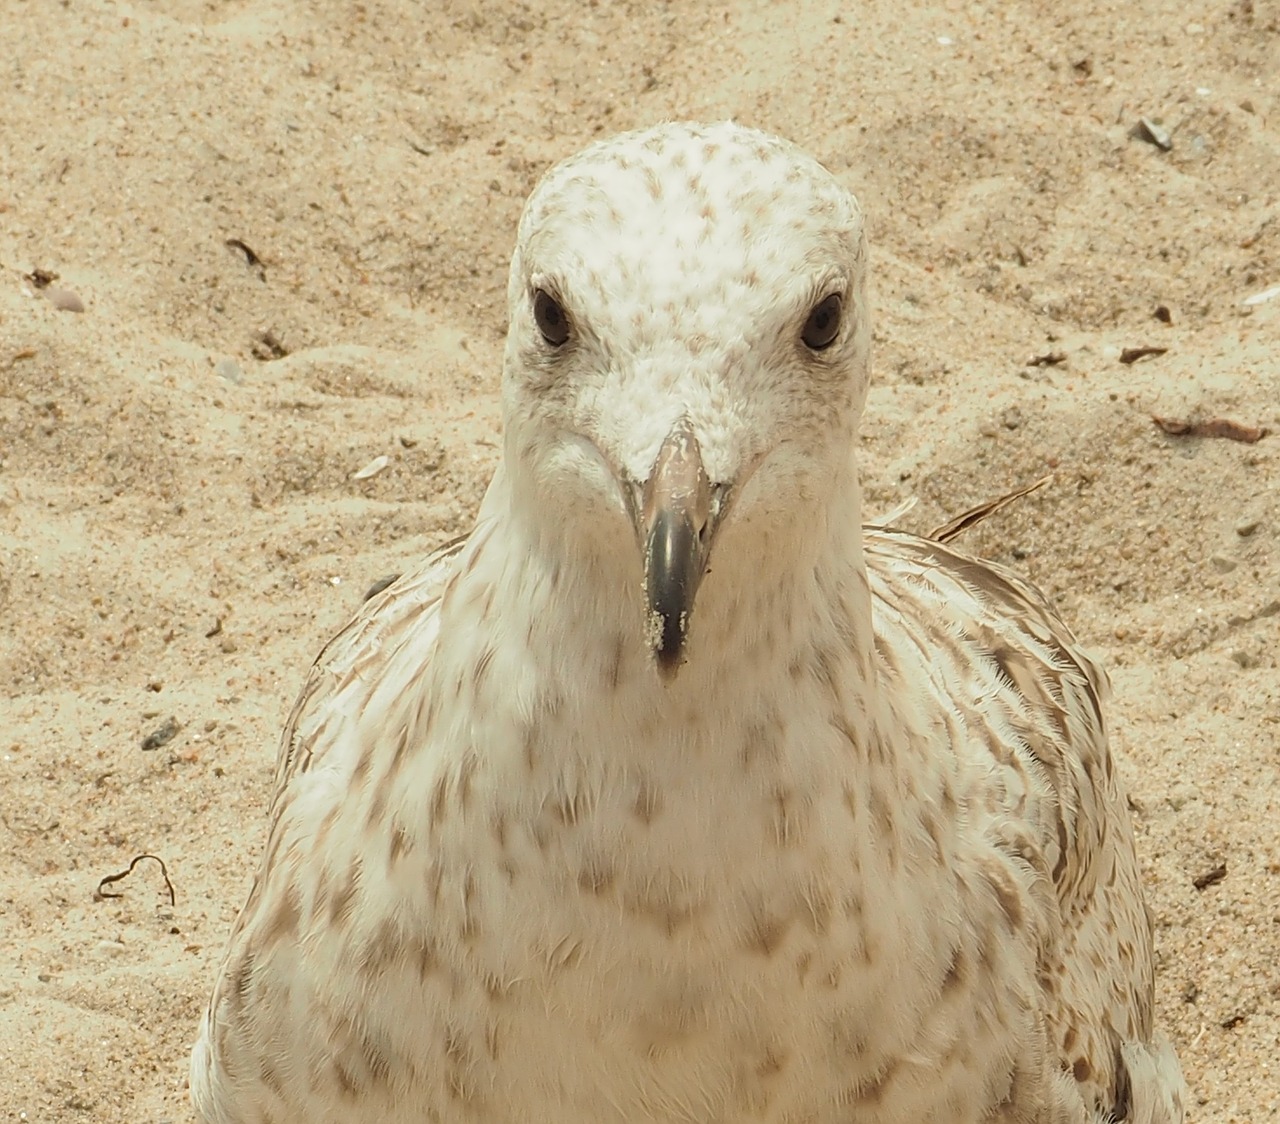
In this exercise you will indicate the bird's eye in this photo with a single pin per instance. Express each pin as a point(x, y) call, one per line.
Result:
point(823, 325)
point(551, 318)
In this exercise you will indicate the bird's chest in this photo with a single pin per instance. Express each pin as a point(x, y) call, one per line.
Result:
point(615, 947)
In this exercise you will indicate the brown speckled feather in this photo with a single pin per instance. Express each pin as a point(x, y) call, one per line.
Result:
point(378, 626)
point(1035, 699)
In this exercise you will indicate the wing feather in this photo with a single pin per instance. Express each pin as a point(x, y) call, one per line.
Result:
point(355, 651)
point(1010, 674)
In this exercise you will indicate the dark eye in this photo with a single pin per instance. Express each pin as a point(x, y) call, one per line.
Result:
point(823, 325)
point(551, 318)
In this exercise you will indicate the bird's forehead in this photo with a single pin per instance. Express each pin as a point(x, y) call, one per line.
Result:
point(683, 214)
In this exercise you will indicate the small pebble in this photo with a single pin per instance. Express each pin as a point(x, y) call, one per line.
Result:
point(372, 468)
point(1262, 297)
point(1246, 527)
point(1011, 418)
point(110, 948)
point(1223, 564)
point(64, 300)
point(1147, 130)
point(230, 370)
point(161, 735)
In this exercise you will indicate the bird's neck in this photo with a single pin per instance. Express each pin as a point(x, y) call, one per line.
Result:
point(784, 614)
point(542, 701)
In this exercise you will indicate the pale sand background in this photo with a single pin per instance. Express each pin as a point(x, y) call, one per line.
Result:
point(376, 156)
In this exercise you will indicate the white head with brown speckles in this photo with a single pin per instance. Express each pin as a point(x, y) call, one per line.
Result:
point(688, 349)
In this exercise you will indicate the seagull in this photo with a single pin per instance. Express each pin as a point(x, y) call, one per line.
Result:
point(672, 793)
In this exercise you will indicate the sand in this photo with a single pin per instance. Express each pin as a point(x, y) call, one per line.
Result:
point(288, 225)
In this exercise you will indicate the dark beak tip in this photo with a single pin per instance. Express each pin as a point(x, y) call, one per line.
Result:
point(666, 643)
point(669, 661)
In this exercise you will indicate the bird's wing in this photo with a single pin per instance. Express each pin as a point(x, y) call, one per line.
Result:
point(1023, 702)
point(1005, 658)
point(266, 970)
point(379, 626)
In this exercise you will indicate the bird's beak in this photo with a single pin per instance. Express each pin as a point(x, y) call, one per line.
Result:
point(675, 517)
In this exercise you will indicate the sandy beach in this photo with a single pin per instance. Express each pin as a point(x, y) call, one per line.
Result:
point(254, 264)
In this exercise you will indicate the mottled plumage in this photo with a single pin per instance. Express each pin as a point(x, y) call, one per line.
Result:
point(671, 794)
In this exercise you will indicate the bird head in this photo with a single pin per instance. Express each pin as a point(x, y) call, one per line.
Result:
point(687, 352)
